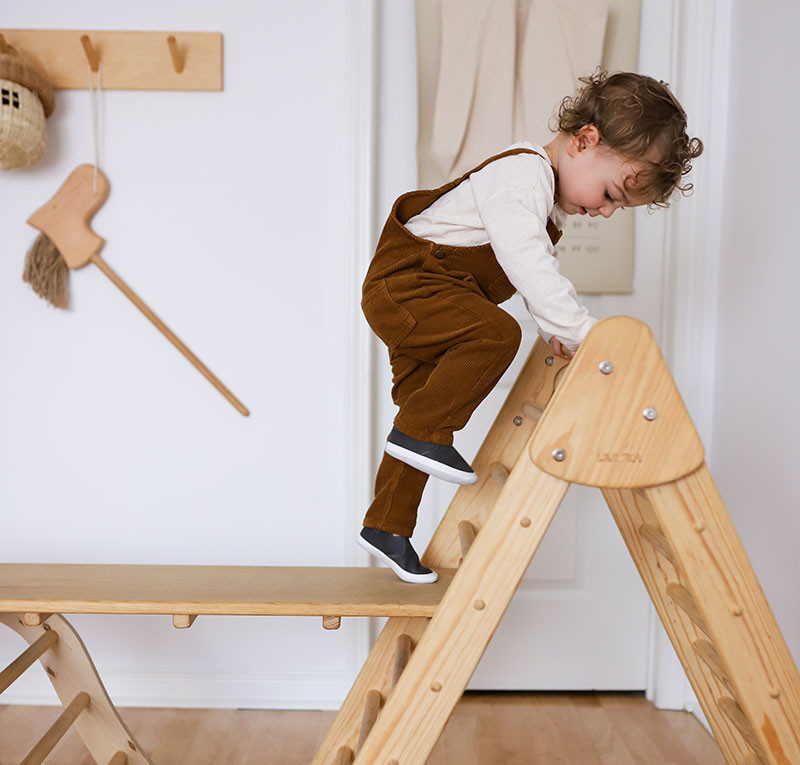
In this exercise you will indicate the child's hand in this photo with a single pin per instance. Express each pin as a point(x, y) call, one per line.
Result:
point(560, 350)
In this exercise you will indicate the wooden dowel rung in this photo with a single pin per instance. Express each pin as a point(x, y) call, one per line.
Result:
point(466, 536)
point(344, 756)
point(713, 661)
point(26, 658)
point(372, 705)
point(401, 657)
point(331, 622)
point(183, 621)
point(683, 599)
point(499, 472)
point(120, 758)
point(57, 730)
point(656, 538)
point(731, 709)
point(531, 411)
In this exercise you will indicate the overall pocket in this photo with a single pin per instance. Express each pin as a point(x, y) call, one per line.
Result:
point(389, 320)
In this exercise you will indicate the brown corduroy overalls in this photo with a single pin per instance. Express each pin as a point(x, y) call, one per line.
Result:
point(435, 308)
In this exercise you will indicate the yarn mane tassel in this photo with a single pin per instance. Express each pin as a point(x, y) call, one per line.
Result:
point(47, 272)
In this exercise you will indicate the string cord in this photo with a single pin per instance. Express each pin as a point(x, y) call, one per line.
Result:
point(94, 96)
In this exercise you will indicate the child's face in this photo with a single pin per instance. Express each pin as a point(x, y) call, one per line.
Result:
point(591, 177)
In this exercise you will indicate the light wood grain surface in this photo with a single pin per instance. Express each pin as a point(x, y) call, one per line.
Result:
point(232, 590)
point(130, 60)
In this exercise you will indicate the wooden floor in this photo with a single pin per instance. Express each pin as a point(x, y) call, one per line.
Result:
point(486, 729)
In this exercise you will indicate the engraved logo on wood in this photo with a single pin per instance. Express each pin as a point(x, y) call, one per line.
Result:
point(619, 457)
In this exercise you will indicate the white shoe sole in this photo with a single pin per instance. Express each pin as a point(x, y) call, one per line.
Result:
point(402, 573)
point(432, 467)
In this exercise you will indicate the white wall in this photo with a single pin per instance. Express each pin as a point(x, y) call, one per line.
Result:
point(232, 215)
point(756, 409)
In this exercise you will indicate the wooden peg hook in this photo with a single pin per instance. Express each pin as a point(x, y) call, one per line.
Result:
point(3, 45)
point(177, 59)
point(91, 53)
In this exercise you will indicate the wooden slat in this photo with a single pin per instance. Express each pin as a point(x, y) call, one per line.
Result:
point(57, 730)
point(654, 536)
point(235, 590)
point(372, 706)
point(706, 651)
point(531, 411)
point(401, 657)
point(466, 536)
point(735, 714)
point(683, 598)
point(499, 473)
point(26, 658)
point(344, 756)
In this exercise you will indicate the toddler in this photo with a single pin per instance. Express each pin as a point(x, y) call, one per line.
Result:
point(446, 258)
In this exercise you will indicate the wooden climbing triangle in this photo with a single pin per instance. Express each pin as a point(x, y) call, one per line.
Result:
point(615, 421)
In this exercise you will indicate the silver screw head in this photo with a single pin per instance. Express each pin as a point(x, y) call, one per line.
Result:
point(518, 420)
point(606, 367)
point(559, 455)
point(650, 413)
point(549, 361)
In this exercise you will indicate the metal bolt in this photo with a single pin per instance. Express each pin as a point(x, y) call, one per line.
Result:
point(650, 413)
point(606, 367)
point(518, 420)
point(549, 361)
point(559, 455)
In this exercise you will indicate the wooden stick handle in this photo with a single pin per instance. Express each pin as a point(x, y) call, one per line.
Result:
point(168, 333)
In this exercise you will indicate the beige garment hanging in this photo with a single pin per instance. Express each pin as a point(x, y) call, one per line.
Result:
point(503, 69)
point(561, 40)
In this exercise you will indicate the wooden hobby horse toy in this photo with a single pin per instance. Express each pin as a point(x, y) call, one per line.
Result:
point(67, 242)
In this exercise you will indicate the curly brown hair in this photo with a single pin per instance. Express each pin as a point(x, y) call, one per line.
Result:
point(639, 118)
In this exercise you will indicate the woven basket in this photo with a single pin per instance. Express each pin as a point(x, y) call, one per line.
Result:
point(26, 99)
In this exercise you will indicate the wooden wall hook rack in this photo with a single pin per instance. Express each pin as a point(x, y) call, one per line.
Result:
point(131, 60)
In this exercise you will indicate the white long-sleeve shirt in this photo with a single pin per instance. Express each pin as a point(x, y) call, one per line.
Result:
point(507, 204)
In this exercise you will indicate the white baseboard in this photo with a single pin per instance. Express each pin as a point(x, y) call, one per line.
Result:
point(201, 690)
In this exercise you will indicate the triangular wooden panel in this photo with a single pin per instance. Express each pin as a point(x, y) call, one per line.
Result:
point(617, 420)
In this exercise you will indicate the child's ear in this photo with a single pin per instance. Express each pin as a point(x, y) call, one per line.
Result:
point(586, 137)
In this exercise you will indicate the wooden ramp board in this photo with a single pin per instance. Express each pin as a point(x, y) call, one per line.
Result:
point(220, 590)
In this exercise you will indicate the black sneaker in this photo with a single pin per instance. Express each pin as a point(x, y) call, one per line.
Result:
point(440, 461)
point(397, 553)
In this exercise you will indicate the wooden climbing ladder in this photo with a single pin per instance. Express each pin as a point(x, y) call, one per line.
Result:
point(615, 421)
